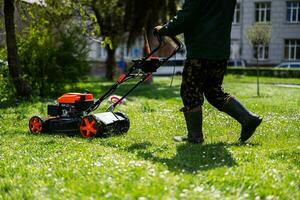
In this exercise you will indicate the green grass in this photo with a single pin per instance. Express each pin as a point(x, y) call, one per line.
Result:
point(145, 163)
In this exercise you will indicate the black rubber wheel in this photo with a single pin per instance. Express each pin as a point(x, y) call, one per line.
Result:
point(125, 125)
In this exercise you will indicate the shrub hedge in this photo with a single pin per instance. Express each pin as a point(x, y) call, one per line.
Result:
point(264, 71)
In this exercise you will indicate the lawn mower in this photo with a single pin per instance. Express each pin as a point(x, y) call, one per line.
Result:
point(73, 112)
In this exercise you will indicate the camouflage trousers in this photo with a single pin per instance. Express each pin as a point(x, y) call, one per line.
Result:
point(203, 78)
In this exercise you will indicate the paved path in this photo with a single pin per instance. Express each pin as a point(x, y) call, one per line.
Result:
point(288, 85)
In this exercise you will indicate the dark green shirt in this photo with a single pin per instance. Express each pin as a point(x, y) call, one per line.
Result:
point(206, 25)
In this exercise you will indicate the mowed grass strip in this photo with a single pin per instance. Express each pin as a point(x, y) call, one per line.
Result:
point(145, 163)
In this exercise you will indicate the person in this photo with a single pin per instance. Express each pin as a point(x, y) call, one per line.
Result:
point(206, 26)
point(121, 63)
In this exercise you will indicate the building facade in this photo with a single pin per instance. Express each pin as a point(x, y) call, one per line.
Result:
point(284, 17)
point(98, 52)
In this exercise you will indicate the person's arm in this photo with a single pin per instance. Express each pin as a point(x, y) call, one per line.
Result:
point(182, 20)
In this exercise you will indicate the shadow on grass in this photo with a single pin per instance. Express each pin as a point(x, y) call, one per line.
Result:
point(189, 158)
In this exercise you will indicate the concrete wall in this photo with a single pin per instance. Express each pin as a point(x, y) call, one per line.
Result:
point(281, 30)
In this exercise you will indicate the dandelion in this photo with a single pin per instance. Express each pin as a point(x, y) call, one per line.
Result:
point(182, 194)
point(108, 195)
point(198, 189)
point(269, 197)
point(185, 190)
point(246, 195)
point(292, 183)
point(142, 198)
point(97, 164)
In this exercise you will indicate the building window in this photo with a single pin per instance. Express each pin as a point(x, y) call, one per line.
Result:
point(99, 51)
point(235, 50)
point(293, 11)
point(292, 49)
point(263, 12)
point(261, 52)
point(237, 14)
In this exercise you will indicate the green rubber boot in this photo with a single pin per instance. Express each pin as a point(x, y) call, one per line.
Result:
point(194, 127)
point(248, 120)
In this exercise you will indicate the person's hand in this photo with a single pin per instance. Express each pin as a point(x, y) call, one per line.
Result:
point(156, 30)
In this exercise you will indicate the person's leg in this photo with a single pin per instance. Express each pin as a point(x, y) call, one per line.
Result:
point(193, 119)
point(213, 89)
point(225, 102)
point(192, 96)
point(247, 119)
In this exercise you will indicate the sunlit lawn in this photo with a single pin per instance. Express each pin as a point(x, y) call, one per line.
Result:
point(146, 163)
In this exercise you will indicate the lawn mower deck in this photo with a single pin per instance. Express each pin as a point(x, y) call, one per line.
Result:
point(73, 112)
point(68, 117)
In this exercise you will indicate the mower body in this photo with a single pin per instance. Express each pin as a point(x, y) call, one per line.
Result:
point(65, 125)
point(68, 116)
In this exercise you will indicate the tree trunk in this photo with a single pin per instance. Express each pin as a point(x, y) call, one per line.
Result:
point(110, 63)
point(15, 70)
point(257, 76)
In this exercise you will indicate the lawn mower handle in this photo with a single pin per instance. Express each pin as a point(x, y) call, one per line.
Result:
point(124, 77)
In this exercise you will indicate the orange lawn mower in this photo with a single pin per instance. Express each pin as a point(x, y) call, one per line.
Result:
point(73, 112)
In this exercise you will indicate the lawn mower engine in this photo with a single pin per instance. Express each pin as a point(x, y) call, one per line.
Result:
point(68, 116)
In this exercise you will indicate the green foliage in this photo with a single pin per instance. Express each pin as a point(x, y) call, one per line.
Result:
point(259, 34)
point(109, 14)
point(146, 163)
point(6, 90)
point(6, 87)
point(147, 14)
point(51, 59)
point(52, 47)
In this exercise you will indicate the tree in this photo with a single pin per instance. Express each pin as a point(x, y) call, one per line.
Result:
point(117, 17)
point(259, 34)
point(52, 47)
point(110, 18)
point(15, 68)
point(146, 15)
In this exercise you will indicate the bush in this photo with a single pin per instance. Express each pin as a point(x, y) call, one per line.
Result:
point(5, 86)
point(6, 90)
point(264, 71)
point(52, 59)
